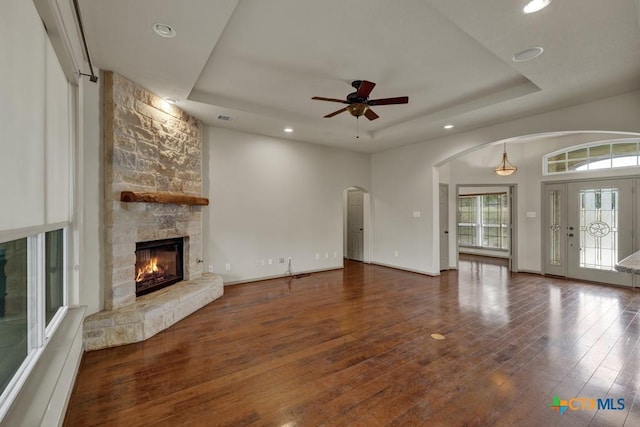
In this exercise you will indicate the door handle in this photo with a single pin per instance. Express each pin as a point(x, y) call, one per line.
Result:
point(446, 232)
point(570, 234)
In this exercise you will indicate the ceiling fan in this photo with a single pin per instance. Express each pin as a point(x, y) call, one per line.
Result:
point(358, 102)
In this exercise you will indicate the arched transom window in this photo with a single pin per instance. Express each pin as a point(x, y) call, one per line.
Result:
point(593, 156)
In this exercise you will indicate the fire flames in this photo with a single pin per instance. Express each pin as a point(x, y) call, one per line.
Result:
point(150, 270)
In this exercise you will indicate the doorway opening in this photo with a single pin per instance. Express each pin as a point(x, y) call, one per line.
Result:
point(356, 220)
point(485, 222)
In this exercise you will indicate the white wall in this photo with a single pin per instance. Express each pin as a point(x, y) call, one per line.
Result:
point(273, 198)
point(402, 183)
point(406, 179)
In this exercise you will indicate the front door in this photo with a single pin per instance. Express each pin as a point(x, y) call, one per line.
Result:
point(589, 229)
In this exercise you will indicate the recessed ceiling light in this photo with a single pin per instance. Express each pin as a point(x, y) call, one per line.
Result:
point(288, 130)
point(171, 100)
point(164, 30)
point(448, 126)
point(535, 6)
point(528, 54)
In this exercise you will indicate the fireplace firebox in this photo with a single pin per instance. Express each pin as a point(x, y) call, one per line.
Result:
point(159, 263)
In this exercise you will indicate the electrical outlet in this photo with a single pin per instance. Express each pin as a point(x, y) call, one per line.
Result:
point(227, 267)
point(210, 268)
point(270, 261)
point(395, 253)
point(326, 255)
point(317, 255)
point(262, 262)
point(335, 254)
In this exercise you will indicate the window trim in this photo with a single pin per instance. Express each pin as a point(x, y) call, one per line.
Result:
point(60, 313)
point(38, 334)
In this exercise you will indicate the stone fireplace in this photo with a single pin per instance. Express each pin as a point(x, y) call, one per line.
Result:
point(150, 148)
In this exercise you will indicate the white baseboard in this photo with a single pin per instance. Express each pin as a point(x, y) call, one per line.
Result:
point(280, 276)
point(411, 270)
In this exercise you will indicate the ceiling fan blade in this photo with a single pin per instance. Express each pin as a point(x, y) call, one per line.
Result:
point(335, 113)
point(388, 101)
point(320, 98)
point(369, 114)
point(365, 89)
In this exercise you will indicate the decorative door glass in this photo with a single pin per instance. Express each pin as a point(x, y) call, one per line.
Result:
point(599, 228)
point(555, 228)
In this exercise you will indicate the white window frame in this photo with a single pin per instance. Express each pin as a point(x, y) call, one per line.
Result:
point(479, 224)
point(37, 334)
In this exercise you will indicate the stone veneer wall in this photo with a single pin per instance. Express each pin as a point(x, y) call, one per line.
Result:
point(150, 146)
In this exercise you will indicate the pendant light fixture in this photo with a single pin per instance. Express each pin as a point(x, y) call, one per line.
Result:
point(505, 168)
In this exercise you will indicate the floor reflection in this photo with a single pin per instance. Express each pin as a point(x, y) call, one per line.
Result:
point(482, 287)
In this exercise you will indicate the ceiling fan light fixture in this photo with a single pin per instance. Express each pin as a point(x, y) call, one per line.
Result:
point(505, 168)
point(357, 109)
point(535, 6)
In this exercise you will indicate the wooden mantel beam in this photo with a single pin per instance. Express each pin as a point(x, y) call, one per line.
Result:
point(164, 198)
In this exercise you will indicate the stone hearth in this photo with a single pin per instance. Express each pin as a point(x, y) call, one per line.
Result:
point(151, 313)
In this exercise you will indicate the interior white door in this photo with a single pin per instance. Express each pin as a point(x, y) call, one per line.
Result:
point(355, 225)
point(444, 227)
point(599, 229)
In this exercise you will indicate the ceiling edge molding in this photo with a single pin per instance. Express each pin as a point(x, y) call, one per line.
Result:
point(483, 101)
point(246, 107)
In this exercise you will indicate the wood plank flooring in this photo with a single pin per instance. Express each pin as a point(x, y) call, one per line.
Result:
point(352, 347)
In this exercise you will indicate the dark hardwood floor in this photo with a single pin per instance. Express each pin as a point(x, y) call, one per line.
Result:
point(353, 347)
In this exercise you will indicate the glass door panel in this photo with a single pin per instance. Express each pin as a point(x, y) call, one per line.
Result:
point(599, 228)
point(555, 229)
point(599, 232)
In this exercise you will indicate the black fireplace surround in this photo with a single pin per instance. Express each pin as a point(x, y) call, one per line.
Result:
point(159, 263)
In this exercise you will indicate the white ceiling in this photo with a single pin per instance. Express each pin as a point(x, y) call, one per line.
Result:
point(262, 61)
